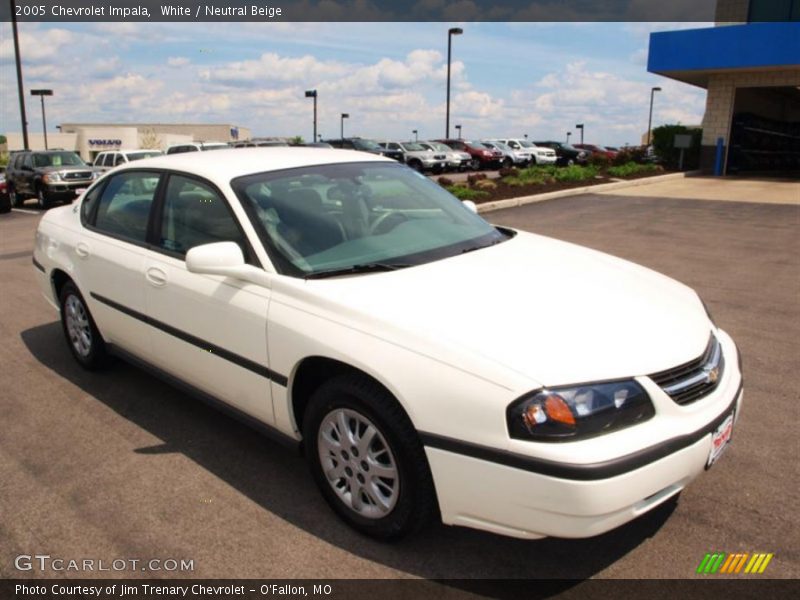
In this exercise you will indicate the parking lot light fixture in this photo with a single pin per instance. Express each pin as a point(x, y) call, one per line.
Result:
point(341, 124)
point(525, 135)
point(580, 126)
point(650, 118)
point(416, 135)
point(569, 133)
point(450, 33)
point(458, 127)
point(313, 94)
point(42, 93)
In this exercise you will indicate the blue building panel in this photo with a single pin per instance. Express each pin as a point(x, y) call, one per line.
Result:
point(754, 45)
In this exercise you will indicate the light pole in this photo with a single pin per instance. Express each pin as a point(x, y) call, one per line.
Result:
point(450, 33)
point(42, 94)
point(20, 89)
point(525, 135)
point(650, 119)
point(341, 126)
point(416, 135)
point(580, 126)
point(569, 133)
point(313, 94)
point(459, 131)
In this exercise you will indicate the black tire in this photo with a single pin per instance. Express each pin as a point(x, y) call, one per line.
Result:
point(5, 204)
point(95, 355)
point(507, 163)
point(475, 164)
point(411, 493)
point(416, 165)
point(42, 198)
point(17, 201)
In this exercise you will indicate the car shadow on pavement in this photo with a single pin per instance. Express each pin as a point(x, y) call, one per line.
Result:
point(277, 479)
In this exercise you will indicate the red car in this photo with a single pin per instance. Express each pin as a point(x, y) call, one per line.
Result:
point(5, 201)
point(597, 149)
point(483, 157)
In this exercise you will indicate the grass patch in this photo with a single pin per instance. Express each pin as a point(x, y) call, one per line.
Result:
point(549, 174)
point(462, 192)
point(631, 168)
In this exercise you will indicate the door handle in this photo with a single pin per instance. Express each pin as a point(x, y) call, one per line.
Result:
point(82, 249)
point(156, 277)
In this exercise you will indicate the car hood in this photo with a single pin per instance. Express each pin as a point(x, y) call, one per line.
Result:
point(554, 312)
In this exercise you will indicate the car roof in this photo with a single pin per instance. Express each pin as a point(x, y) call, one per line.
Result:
point(225, 165)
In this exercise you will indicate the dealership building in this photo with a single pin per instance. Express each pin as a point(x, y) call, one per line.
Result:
point(750, 65)
point(89, 139)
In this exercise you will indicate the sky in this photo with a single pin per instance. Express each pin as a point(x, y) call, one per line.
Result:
point(508, 79)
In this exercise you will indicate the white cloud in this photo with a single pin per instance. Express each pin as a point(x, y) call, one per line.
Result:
point(178, 61)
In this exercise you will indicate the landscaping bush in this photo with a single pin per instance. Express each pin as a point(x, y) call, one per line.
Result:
point(485, 184)
point(464, 193)
point(508, 172)
point(599, 160)
point(445, 181)
point(575, 173)
point(631, 168)
point(474, 178)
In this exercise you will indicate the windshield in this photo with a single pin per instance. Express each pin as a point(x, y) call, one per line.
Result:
point(58, 159)
point(367, 145)
point(413, 147)
point(441, 147)
point(478, 145)
point(330, 218)
point(527, 144)
point(141, 155)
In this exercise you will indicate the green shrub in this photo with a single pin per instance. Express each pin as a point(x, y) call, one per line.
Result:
point(576, 173)
point(599, 160)
point(462, 192)
point(668, 155)
point(485, 184)
point(631, 168)
point(508, 172)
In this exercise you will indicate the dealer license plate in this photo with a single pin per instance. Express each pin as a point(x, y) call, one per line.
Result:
point(720, 440)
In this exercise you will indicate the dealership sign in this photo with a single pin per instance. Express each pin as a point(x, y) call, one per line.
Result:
point(105, 142)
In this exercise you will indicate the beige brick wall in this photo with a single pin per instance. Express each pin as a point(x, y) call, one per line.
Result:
point(721, 91)
point(732, 12)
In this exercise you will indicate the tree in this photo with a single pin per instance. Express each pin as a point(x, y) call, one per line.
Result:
point(296, 140)
point(664, 145)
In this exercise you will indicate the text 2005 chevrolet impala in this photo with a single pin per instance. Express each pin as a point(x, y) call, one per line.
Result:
point(428, 362)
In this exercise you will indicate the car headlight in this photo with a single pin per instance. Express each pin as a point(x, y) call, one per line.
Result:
point(568, 413)
point(96, 174)
point(51, 177)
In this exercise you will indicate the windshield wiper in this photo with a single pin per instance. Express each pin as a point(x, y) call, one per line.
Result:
point(375, 267)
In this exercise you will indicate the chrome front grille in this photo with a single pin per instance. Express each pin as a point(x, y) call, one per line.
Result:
point(695, 379)
point(69, 175)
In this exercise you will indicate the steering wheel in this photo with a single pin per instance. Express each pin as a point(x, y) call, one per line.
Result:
point(379, 225)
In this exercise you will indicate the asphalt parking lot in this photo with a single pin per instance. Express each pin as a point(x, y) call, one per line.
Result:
point(119, 464)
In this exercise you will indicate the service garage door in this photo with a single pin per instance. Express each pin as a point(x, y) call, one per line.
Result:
point(765, 131)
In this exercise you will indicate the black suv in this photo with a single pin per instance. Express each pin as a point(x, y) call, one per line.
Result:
point(364, 145)
point(47, 175)
point(566, 153)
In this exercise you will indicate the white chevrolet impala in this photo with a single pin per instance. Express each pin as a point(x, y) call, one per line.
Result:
point(429, 363)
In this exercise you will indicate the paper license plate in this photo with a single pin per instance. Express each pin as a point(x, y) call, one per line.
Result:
point(720, 440)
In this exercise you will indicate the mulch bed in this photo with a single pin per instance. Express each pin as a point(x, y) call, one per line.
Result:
point(504, 192)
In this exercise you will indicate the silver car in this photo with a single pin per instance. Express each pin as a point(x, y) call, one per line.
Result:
point(455, 159)
point(417, 157)
point(512, 156)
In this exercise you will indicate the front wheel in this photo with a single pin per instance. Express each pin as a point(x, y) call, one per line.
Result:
point(17, 201)
point(366, 458)
point(83, 337)
point(507, 163)
point(41, 198)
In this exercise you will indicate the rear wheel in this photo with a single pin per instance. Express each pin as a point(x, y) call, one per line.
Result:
point(17, 200)
point(83, 338)
point(366, 458)
point(475, 164)
point(416, 165)
point(507, 163)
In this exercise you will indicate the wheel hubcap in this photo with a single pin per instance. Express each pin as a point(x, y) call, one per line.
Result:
point(358, 463)
point(77, 319)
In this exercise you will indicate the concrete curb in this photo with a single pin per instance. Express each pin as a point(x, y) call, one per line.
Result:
point(588, 189)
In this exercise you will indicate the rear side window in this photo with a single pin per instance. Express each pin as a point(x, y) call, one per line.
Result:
point(98, 161)
point(119, 160)
point(195, 214)
point(124, 208)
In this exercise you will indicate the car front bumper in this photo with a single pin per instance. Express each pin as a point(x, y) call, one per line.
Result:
point(546, 159)
point(69, 190)
point(519, 496)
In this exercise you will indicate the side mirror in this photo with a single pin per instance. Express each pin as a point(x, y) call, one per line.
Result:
point(226, 259)
point(470, 205)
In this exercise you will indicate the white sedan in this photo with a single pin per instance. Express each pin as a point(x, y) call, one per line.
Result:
point(429, 363)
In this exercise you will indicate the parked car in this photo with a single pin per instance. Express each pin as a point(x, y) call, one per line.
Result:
point(196, 147)
point(539, 156)
point(317, 145)
point(597, 149)
point(5, 201)
point(105, 161)
point(483, 157)
point(417, 157)
point(455, 160)
point(566, 154)
point(259, 144)
point(347, 285)
point(47, 175)
point(511, 157)
point(365, 145)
